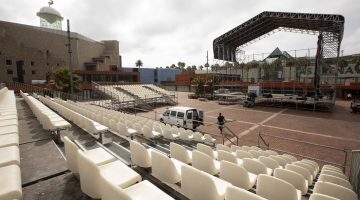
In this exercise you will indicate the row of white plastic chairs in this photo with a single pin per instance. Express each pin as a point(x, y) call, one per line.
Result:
point(112, 91)
point(243, 174)
point(47, 118)
point(89, 125)
point(128, 125)
point(104, 176)
point(140, 91)
point(10, 174)
point(159, 89)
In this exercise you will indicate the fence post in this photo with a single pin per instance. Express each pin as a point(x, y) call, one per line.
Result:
point(345, 160)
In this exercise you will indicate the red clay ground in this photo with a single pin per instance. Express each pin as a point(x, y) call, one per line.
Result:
point(340, 128)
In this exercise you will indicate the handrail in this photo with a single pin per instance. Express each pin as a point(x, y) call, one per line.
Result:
point(233, 134)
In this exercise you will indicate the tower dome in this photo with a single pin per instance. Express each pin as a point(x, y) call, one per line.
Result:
point(50, 18)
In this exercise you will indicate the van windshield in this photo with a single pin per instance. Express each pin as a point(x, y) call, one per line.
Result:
point(166, 113)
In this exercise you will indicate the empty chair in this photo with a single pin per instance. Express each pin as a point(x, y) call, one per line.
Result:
point(255, 148)
point(164, 168)
point(243, 154)
point(313, 163)
point(209, 139)
point(335, 180)
point(140, 191)
point(206, 150)
point(148, 133)
point(286, 158)
point(293, 158)
point(115, 172)
point(318, 196)
point(234, 148)
point(273, 188)
point(198, 137)
point(198, 185)
point(331, 167)
point(9, 140)
point(237, 175)
point(246, 148)
point(180, 153)
point(280, 160)
point(234, 193)
point(71, 155)
point(294, 178)
point(269, 162)
point(271, 152)
point(304, 172)
point(264, 153)
point(140, 156)
point(255, 153)
point(167, 134)
point(223, 148)
point(308, 166)
point(186, 136)
point(256, 167)
point(10, 184)
point(334, 173)
point(225, 155)
point(205, 163)
point(9, 156)
point(334, 190)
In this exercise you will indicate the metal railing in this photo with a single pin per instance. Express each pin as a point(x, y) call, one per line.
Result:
point(323, 154)
point(43, 91)
point(355, 171)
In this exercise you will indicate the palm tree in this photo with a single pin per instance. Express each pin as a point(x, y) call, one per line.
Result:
point(173, 66)
point(139, 63)
point(62, 80)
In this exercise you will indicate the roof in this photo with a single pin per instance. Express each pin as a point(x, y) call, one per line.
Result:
point(49, 10)
point(277, 53)
point(265, 23)
point(180, 108)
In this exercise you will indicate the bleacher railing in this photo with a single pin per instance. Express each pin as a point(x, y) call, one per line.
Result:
point(355, 171)
point(43, 91)
point(323, 154)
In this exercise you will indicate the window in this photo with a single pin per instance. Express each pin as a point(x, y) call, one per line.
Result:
point(8, 62)
point(173, 113)
point(33, 72)
point(180, 115)
point(9, 71)
point(166, 113)
point(23, 71)
point(32, 63)
point(189, 115)
point(47, 64)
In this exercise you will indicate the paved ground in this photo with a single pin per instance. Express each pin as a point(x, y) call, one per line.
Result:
point(340, 128)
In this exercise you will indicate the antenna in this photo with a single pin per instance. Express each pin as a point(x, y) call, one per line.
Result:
point(51, 2)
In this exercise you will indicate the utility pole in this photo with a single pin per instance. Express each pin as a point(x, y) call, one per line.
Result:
point(207, 62)
point(69, 51)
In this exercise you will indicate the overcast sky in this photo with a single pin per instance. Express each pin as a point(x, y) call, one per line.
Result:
point(162, 32)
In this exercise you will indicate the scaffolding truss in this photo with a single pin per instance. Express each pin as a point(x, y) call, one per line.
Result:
point(264, 24)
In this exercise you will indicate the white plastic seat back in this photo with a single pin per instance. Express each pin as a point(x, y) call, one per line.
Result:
point(269, 162)
point(237, 175)
point(198, 137)
point(318, 196)
point(71, 154)
point(163, 168)
point(307, 166)
point(234, 193)
point(279, 159)
point(234, 148)
point(180, 153)
point(243, 154)
point(255, 153)
point(294, 178)
point(206, 150)
point(225, 155)
point(223, 148)
point(255, 166)
point(293, 158)
point(304, 172)
point(335, 180)
point(271, 152)
point(334, 190)
point(334, 173)
point(209, 139)
point(140, 156)
point(255, 148)
point(205, 163)
point(198, 185)
point(332, 167)
point(273, 188)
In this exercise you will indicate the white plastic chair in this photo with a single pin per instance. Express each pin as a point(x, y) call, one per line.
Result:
point(223, 148)
point(165, 169)
point(205, 163)
point(273, 188)
point(180, 153)
point(140, 156)
point(256, 167)
point(206, 150)
point(294, 178)
point(237, 175)
point(335, 191)
point(241, 154)
point(269, 162)
point(234, 193)
point(225, 155)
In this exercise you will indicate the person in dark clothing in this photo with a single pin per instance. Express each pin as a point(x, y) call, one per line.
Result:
point(221, 121)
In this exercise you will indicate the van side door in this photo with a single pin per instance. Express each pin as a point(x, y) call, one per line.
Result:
point(189, 119)
point(172, 118)
point(180, 119)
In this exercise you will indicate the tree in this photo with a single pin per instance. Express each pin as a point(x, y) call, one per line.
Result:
point(173, 66)
point(207, 67)
point(139, 63)
point(201, 67)
point(62, 81)
point(290, 63)
point(304, 63)
point(247, 68)
point(198, 84)
point(277, 65)
point(343, 65)
point(242, 67)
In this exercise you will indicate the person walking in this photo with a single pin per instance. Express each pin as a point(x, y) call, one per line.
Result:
point(221, 122)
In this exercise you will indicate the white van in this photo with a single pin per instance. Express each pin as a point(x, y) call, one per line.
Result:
point(183, 117)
